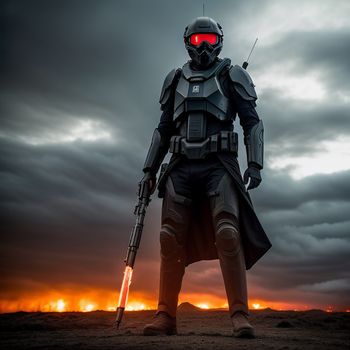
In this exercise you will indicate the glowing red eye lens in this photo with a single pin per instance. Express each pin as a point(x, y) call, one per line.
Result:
point(197, 39)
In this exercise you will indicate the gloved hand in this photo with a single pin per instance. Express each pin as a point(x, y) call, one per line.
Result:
point(150, 180)
point(252, 173)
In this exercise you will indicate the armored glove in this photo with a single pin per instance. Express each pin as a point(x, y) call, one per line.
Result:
point(150, 180)
point(252, 173)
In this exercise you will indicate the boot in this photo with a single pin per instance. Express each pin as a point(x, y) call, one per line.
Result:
point(163, 324)
point(241, 327)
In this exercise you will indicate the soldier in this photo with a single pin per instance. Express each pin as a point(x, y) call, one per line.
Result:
point(206, 211)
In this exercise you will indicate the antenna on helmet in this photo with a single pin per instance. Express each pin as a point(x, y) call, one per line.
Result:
point(245, 63)
point(203, 8)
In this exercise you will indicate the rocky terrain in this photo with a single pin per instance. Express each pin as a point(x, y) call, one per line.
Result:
point(197, 329)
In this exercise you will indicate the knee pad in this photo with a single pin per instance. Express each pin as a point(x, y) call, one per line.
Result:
point(169, 244)
point(227, 237)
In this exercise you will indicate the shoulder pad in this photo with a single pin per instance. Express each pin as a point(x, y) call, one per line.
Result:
point(168, 82)
point(243, 83)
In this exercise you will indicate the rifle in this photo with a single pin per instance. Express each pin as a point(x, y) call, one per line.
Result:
point(144, 195)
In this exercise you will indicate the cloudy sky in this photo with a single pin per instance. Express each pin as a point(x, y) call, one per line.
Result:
point(80, 82)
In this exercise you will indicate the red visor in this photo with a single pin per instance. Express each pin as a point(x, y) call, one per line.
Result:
point(197, 39)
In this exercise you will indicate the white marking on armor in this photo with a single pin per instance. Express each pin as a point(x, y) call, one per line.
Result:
point(195, 89)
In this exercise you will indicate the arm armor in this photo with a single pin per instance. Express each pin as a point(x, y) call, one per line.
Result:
point(243, 83)
point(156, 153)
point(167, 87)
point(254, 143)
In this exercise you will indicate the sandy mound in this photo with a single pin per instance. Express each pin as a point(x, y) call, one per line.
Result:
point(187, 307)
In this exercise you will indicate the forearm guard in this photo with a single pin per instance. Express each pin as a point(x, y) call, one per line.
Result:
point(254, 143)
point(156, 153)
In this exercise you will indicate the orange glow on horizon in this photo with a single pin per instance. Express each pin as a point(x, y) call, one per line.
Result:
point(107, 300)
point(89, 307)
point(61, 305)
point(329, 309)
point(136, 306)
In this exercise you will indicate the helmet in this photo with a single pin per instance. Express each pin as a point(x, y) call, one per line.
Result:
point(203, 40)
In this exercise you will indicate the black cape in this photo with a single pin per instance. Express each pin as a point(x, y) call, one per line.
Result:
point(201, 236)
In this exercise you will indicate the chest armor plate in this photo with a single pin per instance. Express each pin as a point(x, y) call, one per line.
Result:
point(200, 92)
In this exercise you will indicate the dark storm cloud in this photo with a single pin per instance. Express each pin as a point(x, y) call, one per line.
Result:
point(282, 193)
point(324, 51)
point(80, 57)
point(298, 127)
point(59, 199)
point(67, 206)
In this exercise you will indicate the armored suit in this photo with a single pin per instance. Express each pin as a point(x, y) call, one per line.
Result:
point(207, 212)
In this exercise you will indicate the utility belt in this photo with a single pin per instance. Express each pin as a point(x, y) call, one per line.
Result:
point(225, 141)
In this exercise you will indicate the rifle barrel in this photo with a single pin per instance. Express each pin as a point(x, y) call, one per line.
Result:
point(124, 292)
point(134, 243)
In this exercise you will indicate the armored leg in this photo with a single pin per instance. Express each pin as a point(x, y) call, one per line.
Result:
point(175, 221)
point(224, 208)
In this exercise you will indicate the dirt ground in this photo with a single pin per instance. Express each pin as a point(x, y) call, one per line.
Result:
point(197, 329)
